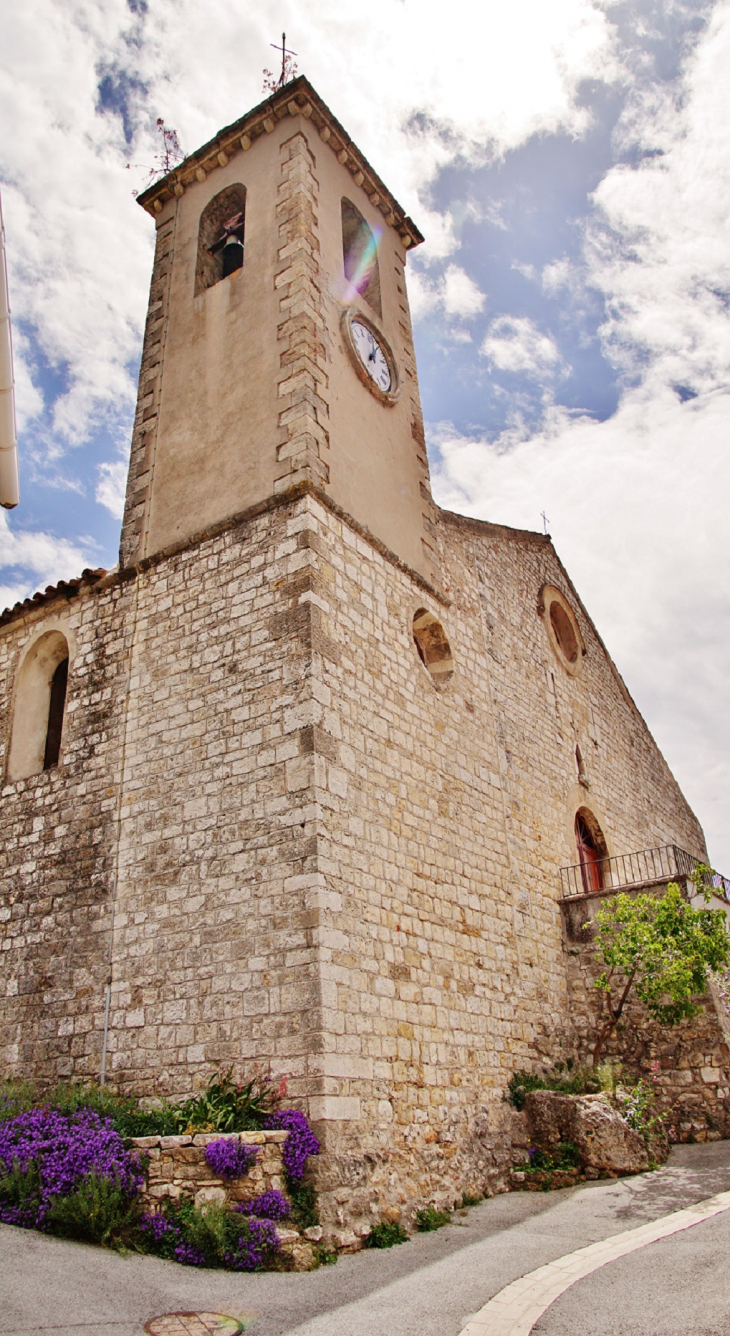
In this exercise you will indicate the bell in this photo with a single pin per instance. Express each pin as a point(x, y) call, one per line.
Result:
point(232, 255)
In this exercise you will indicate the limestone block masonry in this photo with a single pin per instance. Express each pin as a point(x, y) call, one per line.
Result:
point(284, 833)
point(286, 847)
point(177, 1168)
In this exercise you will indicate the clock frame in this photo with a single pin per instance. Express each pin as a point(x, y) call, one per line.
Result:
point(354, 315)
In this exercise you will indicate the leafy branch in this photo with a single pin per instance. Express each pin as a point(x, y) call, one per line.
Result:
point(662, 949)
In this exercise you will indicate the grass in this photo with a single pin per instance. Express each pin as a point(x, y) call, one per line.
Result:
point(565, 1080)
point(430, 1218)
point(386, 1235)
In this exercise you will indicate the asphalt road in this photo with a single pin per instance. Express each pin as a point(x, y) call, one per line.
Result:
point(429, 1286)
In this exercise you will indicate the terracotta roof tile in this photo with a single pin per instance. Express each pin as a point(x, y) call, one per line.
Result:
point(64, 589)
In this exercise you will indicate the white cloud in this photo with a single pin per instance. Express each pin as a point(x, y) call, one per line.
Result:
point(637, 504)
point(461, 295)
point(111, 487)
point(658, 248)
point(39, 559)
point(514, 343)
point(453, 292)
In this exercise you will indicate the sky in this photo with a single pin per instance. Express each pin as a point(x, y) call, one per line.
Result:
point(569, 164)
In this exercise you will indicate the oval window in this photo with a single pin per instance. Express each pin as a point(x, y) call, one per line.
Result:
point(433, 647)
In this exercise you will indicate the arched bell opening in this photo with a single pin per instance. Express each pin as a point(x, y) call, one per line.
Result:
point(220, 237)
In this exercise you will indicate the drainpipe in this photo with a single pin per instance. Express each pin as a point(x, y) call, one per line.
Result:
point(9, 493)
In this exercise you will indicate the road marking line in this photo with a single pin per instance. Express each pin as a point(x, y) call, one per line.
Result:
point(515, 1309)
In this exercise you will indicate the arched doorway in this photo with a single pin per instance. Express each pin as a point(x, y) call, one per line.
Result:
point(591, 850)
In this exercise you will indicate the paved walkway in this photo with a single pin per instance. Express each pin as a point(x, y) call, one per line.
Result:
point(438, 1284)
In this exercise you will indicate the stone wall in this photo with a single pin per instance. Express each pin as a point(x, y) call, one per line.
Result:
point(289, 848)
point(58, 848)
point(177, 1168)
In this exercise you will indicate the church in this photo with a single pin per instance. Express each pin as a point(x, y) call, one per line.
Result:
point(305, 784)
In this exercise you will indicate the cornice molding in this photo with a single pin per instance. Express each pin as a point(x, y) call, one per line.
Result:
point(297, 98)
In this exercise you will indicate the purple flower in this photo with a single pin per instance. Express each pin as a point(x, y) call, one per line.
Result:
point(55, 1152)
point(156, 1225)
point(250, 1252)
point(230, 1159)
point(271, 1205)
point(188, 1255)
point(300, 1143)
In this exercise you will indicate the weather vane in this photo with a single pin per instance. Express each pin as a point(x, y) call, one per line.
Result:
point(288, 68)
point(545, 522)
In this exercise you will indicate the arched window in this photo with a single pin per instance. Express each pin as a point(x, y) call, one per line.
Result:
point(220, 237)
point(360, 255)
point(591, 850)
point(40, 703)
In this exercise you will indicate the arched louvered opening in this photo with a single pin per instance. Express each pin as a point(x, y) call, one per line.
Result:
point(220, 237)
point(56, 708)
point(360, 255)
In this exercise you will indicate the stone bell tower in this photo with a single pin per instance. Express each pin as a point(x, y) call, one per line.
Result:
point(278, 349)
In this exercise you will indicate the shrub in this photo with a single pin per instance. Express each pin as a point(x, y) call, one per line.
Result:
point(637, 1106)
point(230, 1159)
point(216, 1236)
point(565, 1156)
point(562, 1080)
point(303, 1204)
point(229, 1106)
point(50, 1154)
point(385, 1235)
point(97, 1211)
point(300, 1143)
point(430, 1218)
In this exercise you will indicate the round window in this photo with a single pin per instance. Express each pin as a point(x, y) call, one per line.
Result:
point(562, 628)
point(563, 632)
point(433, 647)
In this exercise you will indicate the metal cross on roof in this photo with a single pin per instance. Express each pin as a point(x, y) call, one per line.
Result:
point(284, 53)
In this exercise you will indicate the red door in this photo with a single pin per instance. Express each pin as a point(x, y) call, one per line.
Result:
point(590, 857)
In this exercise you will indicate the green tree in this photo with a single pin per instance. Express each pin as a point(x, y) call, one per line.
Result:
point(662, 948)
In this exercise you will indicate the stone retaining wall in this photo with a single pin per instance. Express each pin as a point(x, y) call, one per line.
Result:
point(177, 1168)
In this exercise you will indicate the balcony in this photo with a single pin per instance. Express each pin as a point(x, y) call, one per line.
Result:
point(647, 868)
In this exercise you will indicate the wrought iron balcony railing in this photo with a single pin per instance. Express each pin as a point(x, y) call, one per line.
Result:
point(648, 867)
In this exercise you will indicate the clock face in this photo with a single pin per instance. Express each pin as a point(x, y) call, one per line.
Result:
point(372, 356)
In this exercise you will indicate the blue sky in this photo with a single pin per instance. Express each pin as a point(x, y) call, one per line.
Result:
point(567, 160)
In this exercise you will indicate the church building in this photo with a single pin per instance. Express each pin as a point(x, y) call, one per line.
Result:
point(304, 783)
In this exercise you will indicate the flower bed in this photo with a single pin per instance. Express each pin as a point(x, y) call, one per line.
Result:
point(202, 1198)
